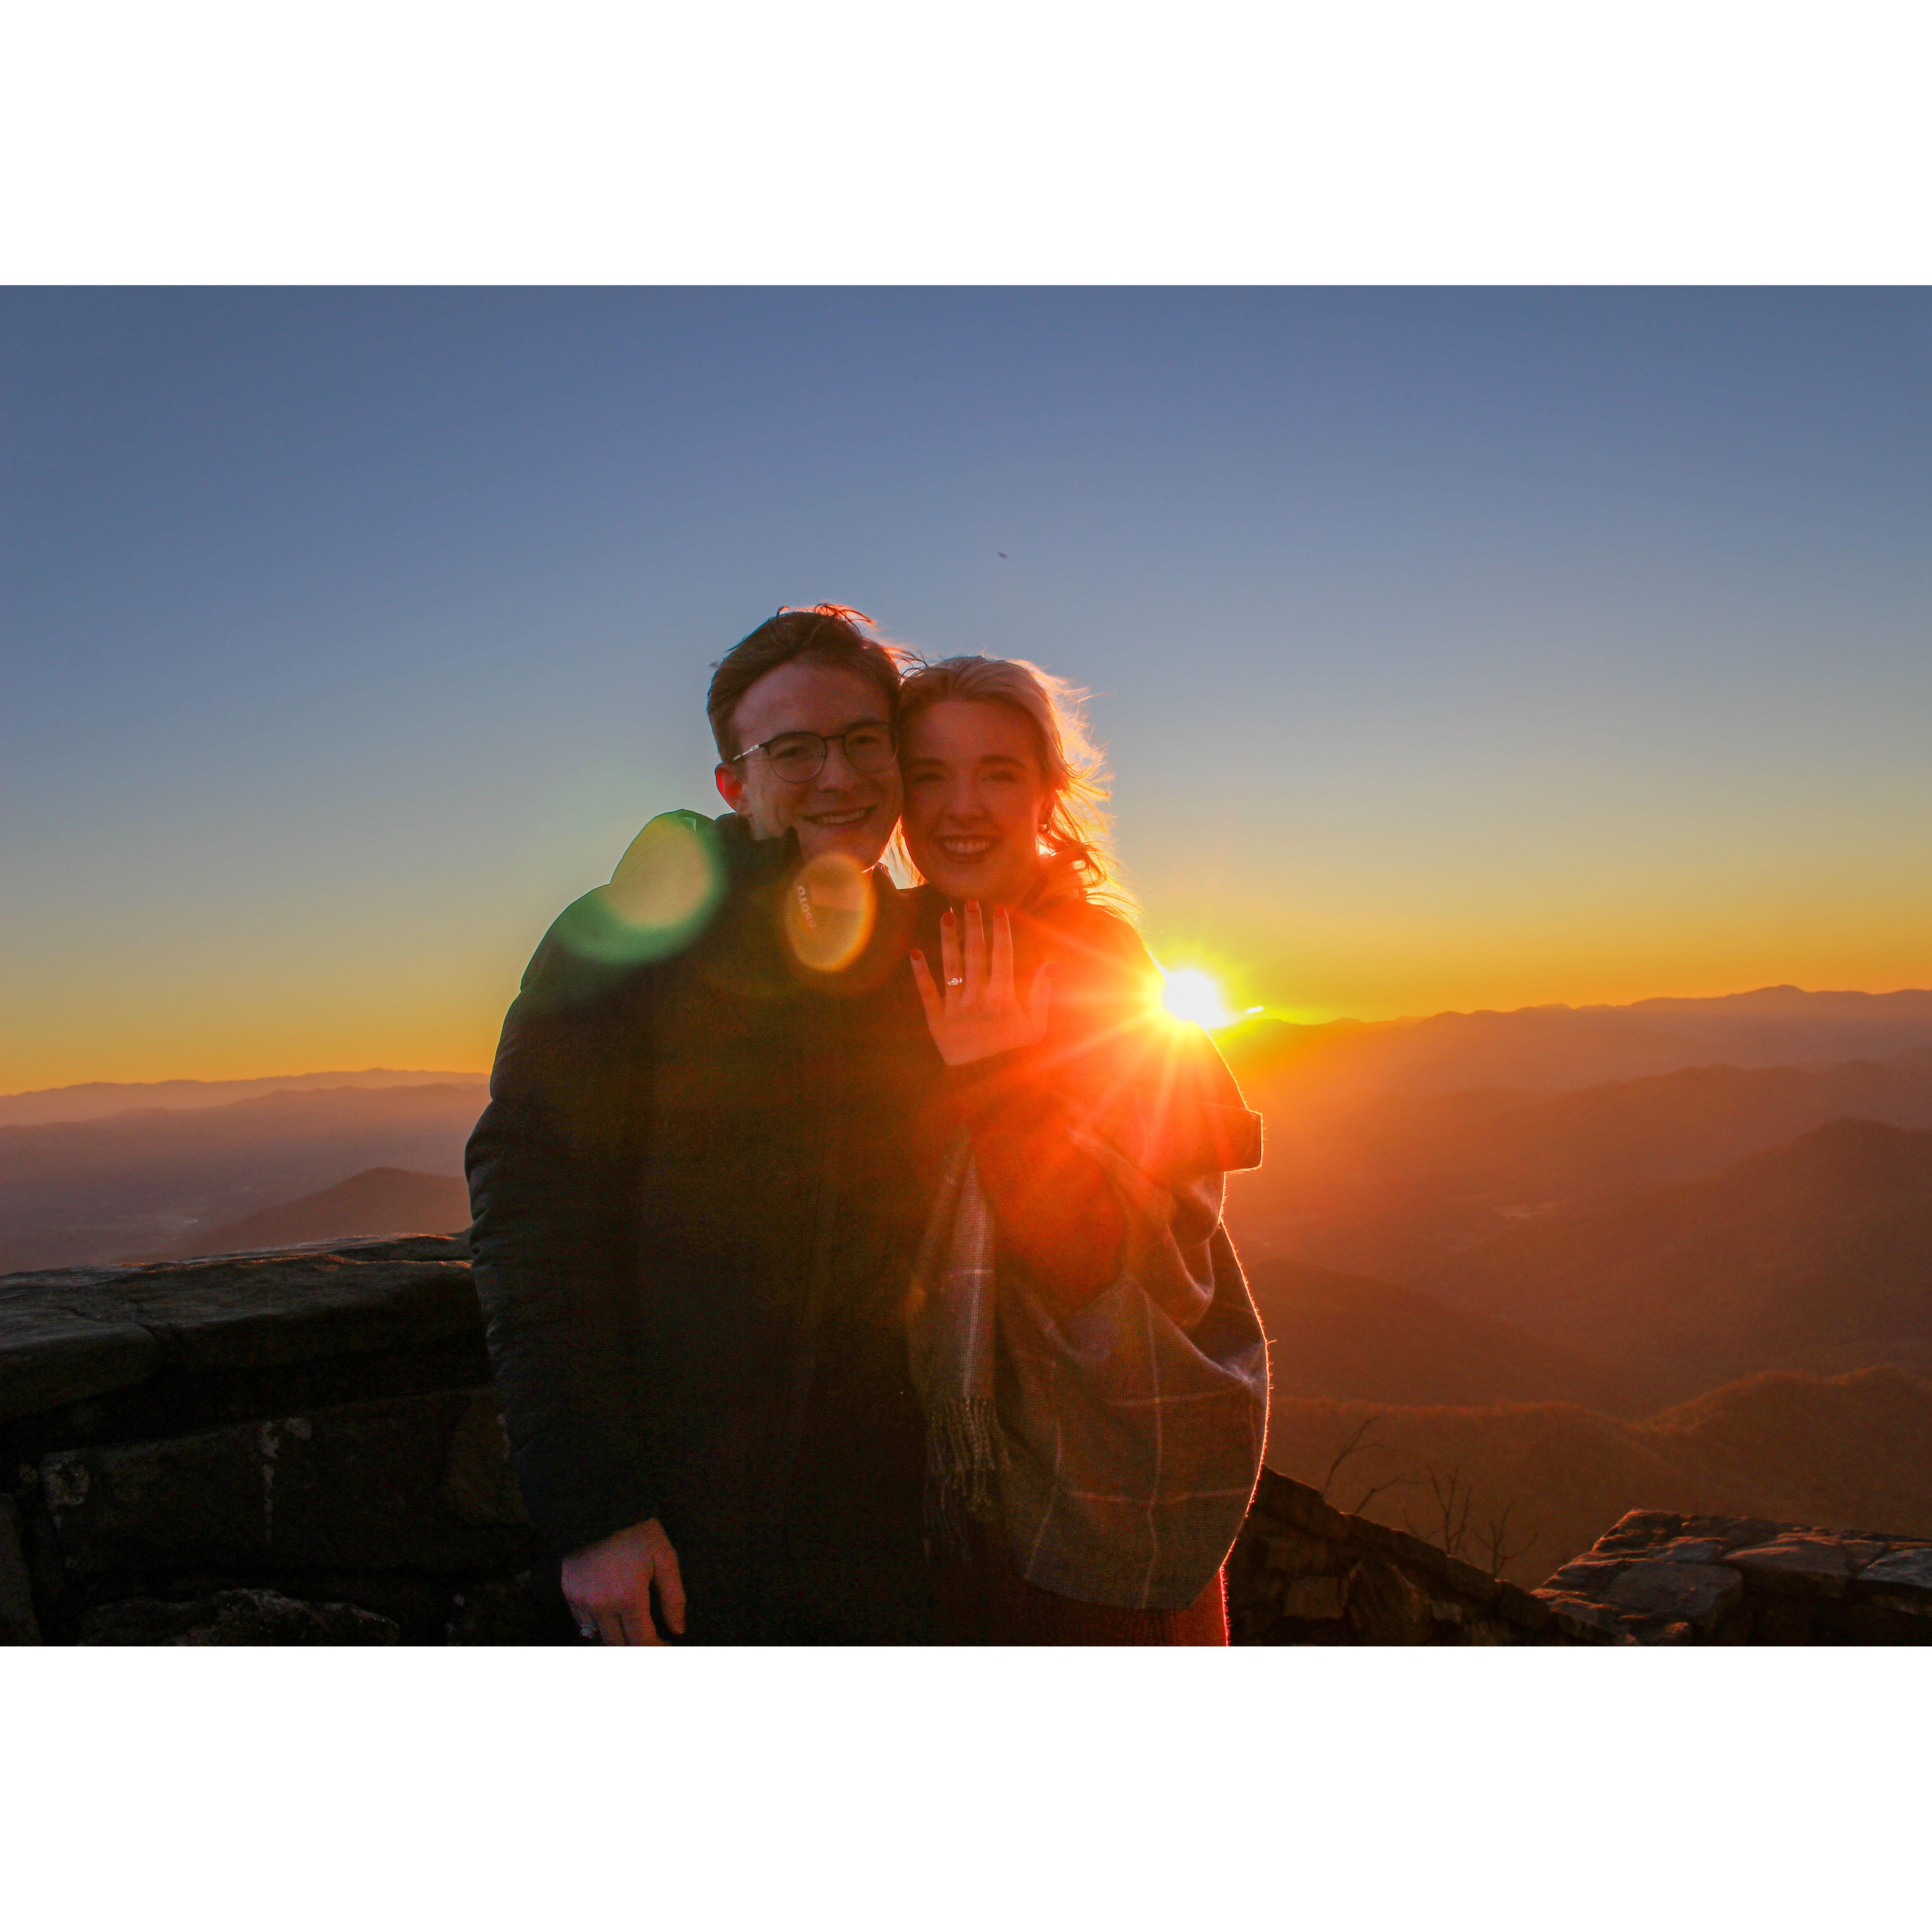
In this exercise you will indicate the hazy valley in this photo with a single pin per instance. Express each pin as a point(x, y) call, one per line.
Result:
point(1520, 1272)
point(147, 1179)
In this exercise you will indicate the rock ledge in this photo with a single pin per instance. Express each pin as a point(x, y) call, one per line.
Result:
point(1658, 1578)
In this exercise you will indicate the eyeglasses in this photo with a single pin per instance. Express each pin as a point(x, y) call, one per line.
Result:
point(796, 756)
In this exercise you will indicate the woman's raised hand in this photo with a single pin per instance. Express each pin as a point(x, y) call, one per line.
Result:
point(976, 1013)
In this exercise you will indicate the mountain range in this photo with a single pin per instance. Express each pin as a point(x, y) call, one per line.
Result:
point(95, 1098)
point(79, 1191)
point(1815, 1255)
point(380, 1200)
point(1391, 1184)
point(1549, 1049)
point(1554, 1264)
point(1349, 1338)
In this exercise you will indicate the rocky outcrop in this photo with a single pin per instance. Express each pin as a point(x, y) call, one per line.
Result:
point(1303, 1573)
point(301, 1447)
point(235, 1616)
point(1661, 1578)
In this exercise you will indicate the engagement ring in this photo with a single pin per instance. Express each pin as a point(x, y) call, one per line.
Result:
point(955, 982)
point(587, 1630)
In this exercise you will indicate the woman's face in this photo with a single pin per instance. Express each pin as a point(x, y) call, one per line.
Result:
point(975, 799)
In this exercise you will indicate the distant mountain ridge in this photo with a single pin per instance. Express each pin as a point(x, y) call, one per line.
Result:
point(1549, 1049)
point(1767, 1026)
point(379, 1201)
point(94, 1099)
point(77, 1191)
point(1909, 1006)
point(1816, 1255)
point(1389, 1185)
point(1348, 1338)
point(1684, 1125)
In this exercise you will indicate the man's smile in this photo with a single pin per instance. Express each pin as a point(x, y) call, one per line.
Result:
point(839, 820)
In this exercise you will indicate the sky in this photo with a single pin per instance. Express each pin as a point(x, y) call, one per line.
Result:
point(1454, 648)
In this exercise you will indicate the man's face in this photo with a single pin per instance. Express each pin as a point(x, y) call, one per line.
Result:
point(840, 809)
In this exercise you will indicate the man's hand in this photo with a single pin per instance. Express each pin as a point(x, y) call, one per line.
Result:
point(607, 1585)
point(979, 1014)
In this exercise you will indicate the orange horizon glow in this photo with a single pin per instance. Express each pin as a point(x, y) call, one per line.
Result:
point(290, 992)
point(451, 1030)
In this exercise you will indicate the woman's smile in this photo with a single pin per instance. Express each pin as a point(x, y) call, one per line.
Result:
point(963, 847)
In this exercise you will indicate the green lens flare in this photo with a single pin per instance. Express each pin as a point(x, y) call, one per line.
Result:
point(660, 897)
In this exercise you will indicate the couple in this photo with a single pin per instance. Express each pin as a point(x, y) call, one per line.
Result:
point(852, 1257)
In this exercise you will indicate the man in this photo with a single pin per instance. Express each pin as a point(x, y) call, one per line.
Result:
point(695, 1209)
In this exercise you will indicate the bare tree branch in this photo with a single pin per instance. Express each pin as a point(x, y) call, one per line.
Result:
point(1358, 1443)
point(1369, 1496)
point(1502, 1553)
point(1454, 1500)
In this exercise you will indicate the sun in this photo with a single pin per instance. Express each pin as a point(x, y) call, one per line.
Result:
point(1191, 994)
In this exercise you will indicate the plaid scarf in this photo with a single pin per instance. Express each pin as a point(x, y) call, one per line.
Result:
point(1115, 1450)
point(951, 1330)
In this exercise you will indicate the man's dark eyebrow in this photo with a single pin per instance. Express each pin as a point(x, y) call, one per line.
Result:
point(800, 731)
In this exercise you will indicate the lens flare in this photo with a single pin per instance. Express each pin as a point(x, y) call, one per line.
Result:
point(828, 912)
point(660, 896)
point(669, 875)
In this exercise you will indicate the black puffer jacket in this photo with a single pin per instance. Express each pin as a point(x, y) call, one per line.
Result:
point(695, 1213)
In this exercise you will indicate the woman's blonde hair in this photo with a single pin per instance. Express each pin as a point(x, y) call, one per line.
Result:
point(1077, 840)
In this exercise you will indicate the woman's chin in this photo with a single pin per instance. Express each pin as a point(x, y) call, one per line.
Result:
point(992, 885)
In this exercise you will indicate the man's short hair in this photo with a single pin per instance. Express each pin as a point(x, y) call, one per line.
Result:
point(828, 634)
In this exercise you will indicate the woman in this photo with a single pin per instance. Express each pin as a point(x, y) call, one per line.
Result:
point(1091, 1368)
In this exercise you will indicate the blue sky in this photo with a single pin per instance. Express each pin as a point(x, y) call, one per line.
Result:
point(1455, 648)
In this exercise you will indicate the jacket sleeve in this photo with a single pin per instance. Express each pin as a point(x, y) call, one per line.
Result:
point(550, 1166)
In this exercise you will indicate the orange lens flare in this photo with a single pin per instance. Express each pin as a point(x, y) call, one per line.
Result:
point(829, 910)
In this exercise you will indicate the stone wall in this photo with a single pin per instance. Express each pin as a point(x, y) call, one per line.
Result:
point(304, 1448)
point(1659, 1578)
point(299, 1448)
point(1303, 1573)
